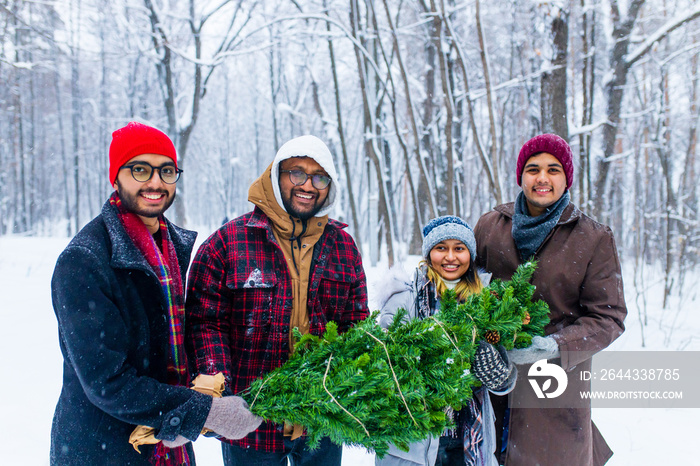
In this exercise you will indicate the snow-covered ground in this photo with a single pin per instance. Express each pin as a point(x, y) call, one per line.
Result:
point(31, 367)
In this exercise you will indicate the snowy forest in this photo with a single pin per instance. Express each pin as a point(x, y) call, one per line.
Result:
point(424, 104)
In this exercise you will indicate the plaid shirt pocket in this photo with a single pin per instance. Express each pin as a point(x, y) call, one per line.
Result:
point(253, 293)
point(333, 300)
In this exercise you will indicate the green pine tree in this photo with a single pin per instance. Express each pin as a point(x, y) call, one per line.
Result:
point(373, 387)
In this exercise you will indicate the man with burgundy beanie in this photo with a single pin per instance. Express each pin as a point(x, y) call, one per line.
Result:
point(578, 275)
point(117, 292)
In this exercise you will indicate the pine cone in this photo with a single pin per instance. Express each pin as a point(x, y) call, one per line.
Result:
point(492, 337)
point(526, 319)
point(495, 294)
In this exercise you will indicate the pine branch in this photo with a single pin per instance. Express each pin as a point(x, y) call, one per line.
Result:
point(372, 387)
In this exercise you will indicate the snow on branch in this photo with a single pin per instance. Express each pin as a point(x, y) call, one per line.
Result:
point(20, 65)
point(514, 82)
point(575, 131)
point(662, 32)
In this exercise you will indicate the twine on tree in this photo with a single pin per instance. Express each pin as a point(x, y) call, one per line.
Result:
point(258, 392)
point(336, 401)
point(394, 375)
point(448, 336)
point(475, 332)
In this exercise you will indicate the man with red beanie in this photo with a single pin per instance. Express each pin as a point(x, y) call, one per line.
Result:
point(118, 295)
point(578, 275)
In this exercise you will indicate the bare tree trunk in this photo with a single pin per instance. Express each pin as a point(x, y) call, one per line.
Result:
point(416, 236)
point(31, 153)
point(457, 118)
point(64, 155)
point(76, 116)
point(587, 94)
point(620, 63)
point(370, 143)
point(614, 91)
point(689, 184)
point(341, 135)
point(640, 232)
point(273, 94)
point(491, 170)
point(411, 113)
point(181, 133)
point(489, 99)
point(21, 224)
point(449, 112)
point(662, 143)
point(553, 83)
point(104, 139)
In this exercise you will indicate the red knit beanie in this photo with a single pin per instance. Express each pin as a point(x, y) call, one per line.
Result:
point(552, 144)
point(136, 139)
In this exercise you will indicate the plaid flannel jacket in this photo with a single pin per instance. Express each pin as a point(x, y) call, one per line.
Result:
point(239, 304)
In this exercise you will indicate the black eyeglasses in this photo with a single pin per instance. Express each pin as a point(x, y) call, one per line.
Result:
point(143, 171)
point(298, 177)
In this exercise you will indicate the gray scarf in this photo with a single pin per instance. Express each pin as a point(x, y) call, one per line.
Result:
point(530, 232)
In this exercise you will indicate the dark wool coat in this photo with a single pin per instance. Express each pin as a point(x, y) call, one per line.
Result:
point(239, 303)
point(113, 332)
point(579, 276)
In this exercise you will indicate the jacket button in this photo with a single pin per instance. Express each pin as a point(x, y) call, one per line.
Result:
point(175, 421)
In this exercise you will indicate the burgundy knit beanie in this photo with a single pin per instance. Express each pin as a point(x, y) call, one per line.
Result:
point(136, 139)
point(552, 144)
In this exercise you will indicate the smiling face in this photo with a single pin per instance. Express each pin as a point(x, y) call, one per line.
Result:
point(147, 199)
point(450, 259)
point(302, 201)
point(543, 182)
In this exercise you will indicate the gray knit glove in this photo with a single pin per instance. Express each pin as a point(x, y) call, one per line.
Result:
point(490, 366)
point(541, 348)
point(230, 418)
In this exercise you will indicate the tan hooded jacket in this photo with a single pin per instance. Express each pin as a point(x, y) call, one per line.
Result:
point(296, 238)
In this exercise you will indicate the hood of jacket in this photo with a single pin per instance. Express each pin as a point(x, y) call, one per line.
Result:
point(312, 147)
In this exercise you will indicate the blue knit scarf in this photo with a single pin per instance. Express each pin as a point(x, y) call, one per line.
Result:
point(530, 232)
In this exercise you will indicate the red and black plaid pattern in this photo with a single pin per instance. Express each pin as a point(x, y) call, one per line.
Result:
point(239, 303)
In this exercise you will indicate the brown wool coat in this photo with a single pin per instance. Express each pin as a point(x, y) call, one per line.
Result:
point(579, 276)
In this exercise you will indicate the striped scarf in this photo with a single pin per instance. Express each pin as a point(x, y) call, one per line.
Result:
point(472, 426)
point(469, 424)
point(163, 261)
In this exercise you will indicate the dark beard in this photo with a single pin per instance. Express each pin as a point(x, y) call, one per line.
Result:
point(300, 215)
point(130, 203)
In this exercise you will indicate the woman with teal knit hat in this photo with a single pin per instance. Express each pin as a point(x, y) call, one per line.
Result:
point(449, 250)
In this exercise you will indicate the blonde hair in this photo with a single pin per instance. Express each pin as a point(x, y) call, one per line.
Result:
point(469, 283)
